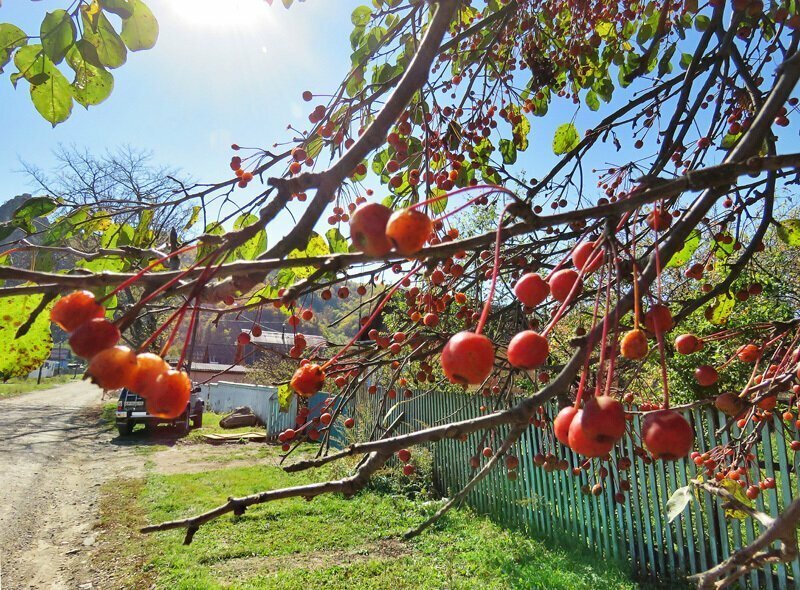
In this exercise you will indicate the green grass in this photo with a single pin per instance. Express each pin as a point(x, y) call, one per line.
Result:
point(19, 385)
point(328, 543)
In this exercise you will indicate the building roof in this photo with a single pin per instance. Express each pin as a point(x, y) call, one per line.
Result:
point(275, 337)
point(218, 368)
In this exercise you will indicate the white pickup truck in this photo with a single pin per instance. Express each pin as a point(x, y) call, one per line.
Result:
point(131, 411)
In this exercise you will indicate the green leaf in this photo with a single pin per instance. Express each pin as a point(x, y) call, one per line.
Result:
point(122, 8)
point(51, 93)
point(314, 146)
point(686, 60)
point(592, 101)
point(65, 227)
point(508, 151)
point(212, 229)
point(20, 356)
point(702, 22)
point(284, 397)
point(110, 48)
point(316, 246)
point(789, 232)
point(678, 502)
point(193, 218)
point(729, 140)
point(267, 292)
point(565, 139)
point(521, 128)
point(606, 30)
point(361, 16)
point(645, 34)
point(35, 207)
point(142, 235)
point(140, 30)
point(11, 37)
point(57, 34)
point(336, 241)
point(721, 310)
point(685, 254)
point(665, 63)
point(255, 245)
point(723, 250)
point(93, 83)
point(438, 206)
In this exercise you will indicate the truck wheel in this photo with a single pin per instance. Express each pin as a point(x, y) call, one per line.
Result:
point(183, 422)
point(125, 428)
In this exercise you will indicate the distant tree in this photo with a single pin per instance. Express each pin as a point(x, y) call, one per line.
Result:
point(122, 182)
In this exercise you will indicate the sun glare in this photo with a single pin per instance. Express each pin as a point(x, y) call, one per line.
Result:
point(222, 14)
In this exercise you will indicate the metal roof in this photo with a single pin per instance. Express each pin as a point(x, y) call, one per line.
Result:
point(218, 367)
point(286, 339)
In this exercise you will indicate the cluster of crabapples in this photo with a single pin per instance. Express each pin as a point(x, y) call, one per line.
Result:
point(311, 429)
point(111, 366)
point(468, 358)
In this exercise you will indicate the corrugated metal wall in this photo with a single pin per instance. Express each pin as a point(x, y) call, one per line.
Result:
point(224, 396)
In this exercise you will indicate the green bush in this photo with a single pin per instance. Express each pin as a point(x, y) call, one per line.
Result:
point(419, 485)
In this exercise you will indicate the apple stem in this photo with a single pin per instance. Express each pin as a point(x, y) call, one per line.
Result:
point(189, 333)
point(637, 304)
point(371, 318)
point(180, 312)
point(603, 340)
point(665, 384)
point(563, 307)
point(495, 271)
point(657, 252)
point(589, 347)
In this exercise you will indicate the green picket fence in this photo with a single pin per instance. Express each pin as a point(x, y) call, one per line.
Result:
point(552, 504)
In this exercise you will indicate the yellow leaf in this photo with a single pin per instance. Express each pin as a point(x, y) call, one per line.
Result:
point(92, 13)
point(737, 492)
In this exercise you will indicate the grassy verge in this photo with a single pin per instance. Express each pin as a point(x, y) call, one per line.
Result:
point(328, 543)
point(20, 385)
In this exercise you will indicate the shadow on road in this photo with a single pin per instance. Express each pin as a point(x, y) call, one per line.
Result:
point(162, 434)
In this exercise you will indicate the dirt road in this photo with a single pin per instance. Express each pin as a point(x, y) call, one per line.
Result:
point(54, 456)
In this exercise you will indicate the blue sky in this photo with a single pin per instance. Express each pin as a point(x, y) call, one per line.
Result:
point(221, 72)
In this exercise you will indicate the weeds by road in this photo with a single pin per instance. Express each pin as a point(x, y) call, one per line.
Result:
point(20, 385)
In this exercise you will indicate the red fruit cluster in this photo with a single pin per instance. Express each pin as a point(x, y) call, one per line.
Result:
point(308, 379)
point(594, 430)
point(93, 337)
point(404, 455)
point(375, 230)
point(83, 317)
